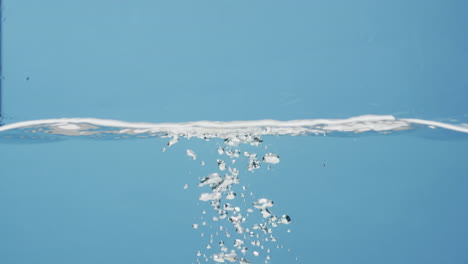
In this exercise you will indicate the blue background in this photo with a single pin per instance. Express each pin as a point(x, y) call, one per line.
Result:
point(223, 60)
point(380, 199)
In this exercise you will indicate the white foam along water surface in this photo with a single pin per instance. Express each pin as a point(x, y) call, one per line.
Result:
point(215, 129)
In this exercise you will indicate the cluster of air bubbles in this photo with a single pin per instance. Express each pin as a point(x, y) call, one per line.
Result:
point(250, 139)
point(241, 234)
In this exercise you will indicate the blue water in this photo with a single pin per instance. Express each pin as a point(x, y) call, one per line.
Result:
point(380, 196)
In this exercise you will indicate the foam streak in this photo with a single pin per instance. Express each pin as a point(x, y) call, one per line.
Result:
point(216, 129)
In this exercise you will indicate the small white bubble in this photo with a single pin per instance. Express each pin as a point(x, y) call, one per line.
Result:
point(285, 219)
point(173, 140)
point(231, 195)
point(221, 164)
point(220, 151)
point(191, 154)
point(271, 158)
point(244, 261)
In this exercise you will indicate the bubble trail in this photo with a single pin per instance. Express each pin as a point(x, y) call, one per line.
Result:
point(234, 224)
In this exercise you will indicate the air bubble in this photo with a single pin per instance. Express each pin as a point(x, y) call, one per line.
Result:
point(285, 219)
point(173, 140)
point(220, 151)
point(271, 158)
point(231, 196)
point(221, 164)
point(263, 203)
point(191, 154)
point(244, 261)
